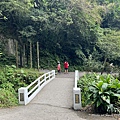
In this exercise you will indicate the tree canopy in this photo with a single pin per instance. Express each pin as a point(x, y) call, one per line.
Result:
point(65, 29)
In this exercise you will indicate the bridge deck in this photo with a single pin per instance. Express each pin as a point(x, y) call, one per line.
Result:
point(58, 93)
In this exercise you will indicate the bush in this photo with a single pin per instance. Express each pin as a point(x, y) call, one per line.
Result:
point(83, 83)
point(7, 59)
point(7, 98)
point(102, 92)
point(11, 80)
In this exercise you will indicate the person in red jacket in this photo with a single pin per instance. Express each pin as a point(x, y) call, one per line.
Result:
point(66, 65)
point(59, 67)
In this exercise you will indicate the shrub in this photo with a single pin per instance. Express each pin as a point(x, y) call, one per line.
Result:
point(102, 92)
point(7, 98)
point(10, 81)
point(84, 84)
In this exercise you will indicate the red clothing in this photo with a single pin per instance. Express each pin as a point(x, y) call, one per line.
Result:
point(66, 65)
point(58, 67)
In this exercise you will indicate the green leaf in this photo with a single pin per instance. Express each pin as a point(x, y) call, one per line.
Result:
point(107, 93)
point(99, 84)
point(100, 92)
point(104, 86)
point(117, 95)
point(92, 89)
point(98, 103)
point(106, 99)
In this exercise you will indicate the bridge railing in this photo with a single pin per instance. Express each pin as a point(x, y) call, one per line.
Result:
point(26, 94)
point(76, 93)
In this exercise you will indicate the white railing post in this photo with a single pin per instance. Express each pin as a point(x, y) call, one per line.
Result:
point(45, 77)
point(76, 98)
point(39, 83)
point(76, 93)
point(49, 75)
point(53, 73)
point(23, 97)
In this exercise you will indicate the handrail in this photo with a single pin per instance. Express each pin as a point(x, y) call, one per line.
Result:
point(26, 94)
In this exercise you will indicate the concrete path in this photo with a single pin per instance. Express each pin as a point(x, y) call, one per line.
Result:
point(54, 102)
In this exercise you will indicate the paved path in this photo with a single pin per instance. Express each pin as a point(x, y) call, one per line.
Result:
point(54, 102)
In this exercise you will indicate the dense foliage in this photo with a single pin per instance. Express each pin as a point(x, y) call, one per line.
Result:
point(11, 80)
point(101, 92)
point(85, 32)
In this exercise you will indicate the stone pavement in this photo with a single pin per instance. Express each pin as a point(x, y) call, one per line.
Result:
point(54, 102)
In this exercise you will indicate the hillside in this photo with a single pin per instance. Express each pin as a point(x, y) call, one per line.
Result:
point(37, 34)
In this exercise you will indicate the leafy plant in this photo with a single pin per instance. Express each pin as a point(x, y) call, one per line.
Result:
point(84, 84)
point(7, 98)
point(11, 80)
point(102, 93)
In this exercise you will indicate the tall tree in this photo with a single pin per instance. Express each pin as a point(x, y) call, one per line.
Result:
point(38, 62)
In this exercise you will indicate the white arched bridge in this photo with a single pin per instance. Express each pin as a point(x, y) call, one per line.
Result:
point(49, 97)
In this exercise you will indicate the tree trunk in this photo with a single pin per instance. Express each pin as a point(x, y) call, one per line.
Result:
point(21, 57)
point(31, 54)
point(34, 63)
point(38, 62)
point(16, 53)
point(10, 47)
point(27, 53)
point(24, 56)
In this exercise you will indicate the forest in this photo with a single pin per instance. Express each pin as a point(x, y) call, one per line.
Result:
point(38, 33)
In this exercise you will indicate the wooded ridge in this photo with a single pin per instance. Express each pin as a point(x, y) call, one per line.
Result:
point(39, 33)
